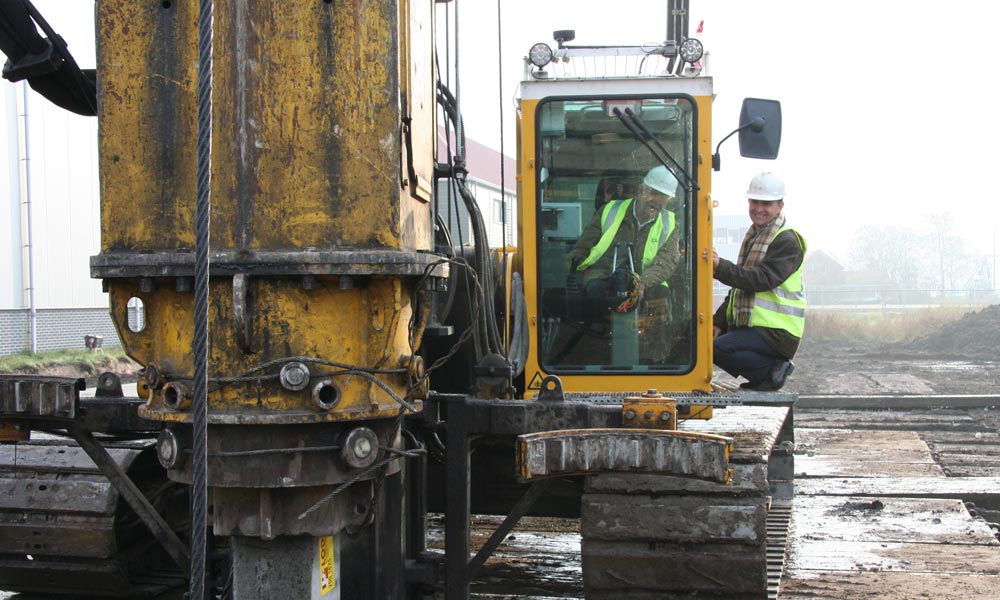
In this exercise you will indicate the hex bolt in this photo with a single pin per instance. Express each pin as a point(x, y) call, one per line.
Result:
point(648, 415)
point(308, 282)
point(630, 414)
point(665, 416)
point(294, 376)
point(170, 449)
point(360, 447)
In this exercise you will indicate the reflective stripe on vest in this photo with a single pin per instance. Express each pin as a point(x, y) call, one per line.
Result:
point(611, 220)
point(785, 306)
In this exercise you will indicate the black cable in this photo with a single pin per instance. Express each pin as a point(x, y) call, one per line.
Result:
point(519, 330)
point(199, 482)
point(503, 188)
point(467, 333)
point(489, 332)
point(459, 125)
point(456, 183)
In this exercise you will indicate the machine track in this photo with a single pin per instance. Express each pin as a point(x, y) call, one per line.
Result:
point(665, 537)
point(67, 530)
point(779, 518)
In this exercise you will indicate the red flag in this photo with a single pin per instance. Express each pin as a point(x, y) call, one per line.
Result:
point(701, 26)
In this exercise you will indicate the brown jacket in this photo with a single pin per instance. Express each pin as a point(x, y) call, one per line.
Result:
point(783, 258)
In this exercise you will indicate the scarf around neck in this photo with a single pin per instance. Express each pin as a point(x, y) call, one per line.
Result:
point(752, 252)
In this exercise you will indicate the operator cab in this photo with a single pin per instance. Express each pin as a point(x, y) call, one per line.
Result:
point(589, 157)
point(594, 125)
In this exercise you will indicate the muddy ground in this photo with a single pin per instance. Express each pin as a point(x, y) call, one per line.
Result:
point(960, 358)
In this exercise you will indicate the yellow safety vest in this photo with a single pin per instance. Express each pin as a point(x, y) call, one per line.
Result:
point(785, 306)
point(611, 220)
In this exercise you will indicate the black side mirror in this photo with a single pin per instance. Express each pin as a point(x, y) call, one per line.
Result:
point(760, 131)
point(763, 137)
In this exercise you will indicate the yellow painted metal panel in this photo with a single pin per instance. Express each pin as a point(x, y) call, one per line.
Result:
point(306, 125)
point(146, 57)
point(305, 156)
point(367, 329)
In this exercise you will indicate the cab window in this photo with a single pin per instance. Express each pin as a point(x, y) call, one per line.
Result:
point(615, 199)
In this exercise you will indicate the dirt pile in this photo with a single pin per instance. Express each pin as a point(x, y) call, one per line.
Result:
point(975, 336)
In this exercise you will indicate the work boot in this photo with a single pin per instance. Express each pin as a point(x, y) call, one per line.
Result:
point(779, 374)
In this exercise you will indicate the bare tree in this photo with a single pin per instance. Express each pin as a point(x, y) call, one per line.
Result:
point(892, 251)
point(953, 264)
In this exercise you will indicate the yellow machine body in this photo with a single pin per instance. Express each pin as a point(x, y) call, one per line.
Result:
point(316, 219)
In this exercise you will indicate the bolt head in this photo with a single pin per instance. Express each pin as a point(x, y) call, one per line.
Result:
point(294, 376)
point(362, 447)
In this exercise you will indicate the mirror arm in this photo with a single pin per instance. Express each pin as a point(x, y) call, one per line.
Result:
point(757, 124)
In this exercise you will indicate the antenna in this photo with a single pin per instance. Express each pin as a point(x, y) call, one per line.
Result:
point(677, 20)
point(677, 28)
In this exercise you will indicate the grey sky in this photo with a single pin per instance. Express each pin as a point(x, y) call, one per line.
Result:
point(890, 111)
point(890, 114)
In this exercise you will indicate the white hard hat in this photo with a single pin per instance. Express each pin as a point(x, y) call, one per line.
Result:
point(661, 180)
point(766, 186)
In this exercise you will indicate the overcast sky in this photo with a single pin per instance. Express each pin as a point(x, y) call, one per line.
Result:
point(890, 112)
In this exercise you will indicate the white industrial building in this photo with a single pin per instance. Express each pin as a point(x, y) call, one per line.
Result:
point(50, 223)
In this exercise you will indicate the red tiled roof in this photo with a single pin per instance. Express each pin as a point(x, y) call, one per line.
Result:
point(483, 163)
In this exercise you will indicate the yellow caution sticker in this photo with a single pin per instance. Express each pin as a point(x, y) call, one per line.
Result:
point(536, 381)
point(327, 577)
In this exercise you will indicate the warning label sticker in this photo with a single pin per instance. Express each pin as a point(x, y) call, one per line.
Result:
point(536, 381)
point(327, 577)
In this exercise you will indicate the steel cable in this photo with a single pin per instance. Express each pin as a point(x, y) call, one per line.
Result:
point(199, 483)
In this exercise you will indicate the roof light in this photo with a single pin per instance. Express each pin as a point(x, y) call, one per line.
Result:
point(691, 50)
point(540, 54)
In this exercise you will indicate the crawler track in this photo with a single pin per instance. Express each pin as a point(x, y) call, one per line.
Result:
point(916, 455)
point(67, 530)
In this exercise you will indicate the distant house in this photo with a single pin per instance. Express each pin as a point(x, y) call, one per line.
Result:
point(829, 282)
point(822, 269)
point(495, 193)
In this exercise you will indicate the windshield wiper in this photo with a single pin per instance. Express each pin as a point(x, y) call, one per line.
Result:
point(633, 123)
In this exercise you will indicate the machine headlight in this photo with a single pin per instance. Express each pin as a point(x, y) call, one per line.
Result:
point(540, 54)
point(691, 50)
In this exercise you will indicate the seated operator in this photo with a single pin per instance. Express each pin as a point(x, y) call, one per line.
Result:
point(629, 249)
point(612, 187)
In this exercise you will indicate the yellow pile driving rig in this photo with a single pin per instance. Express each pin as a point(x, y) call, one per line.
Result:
point(323, 366)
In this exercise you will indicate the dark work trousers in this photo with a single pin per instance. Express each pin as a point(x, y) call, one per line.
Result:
point(743, 352)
